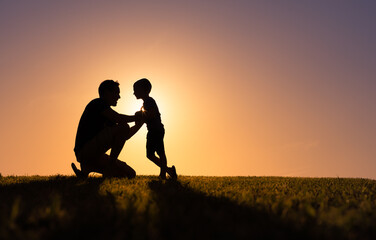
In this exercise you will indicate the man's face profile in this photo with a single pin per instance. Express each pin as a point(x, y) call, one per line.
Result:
point(111, 97)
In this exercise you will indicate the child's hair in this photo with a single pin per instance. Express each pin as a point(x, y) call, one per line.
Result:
point(144, 84)
point(107, 85)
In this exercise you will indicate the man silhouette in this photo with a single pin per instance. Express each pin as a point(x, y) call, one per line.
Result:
point(100, 129)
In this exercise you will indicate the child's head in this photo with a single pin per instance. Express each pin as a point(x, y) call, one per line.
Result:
point(142, 88)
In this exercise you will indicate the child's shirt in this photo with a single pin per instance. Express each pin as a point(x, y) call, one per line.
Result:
point(152, 116)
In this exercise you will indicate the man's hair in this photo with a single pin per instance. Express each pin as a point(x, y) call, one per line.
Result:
point(144, 84)
point(107, 85)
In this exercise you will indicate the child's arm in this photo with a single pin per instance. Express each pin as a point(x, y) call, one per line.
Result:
point(150, 113)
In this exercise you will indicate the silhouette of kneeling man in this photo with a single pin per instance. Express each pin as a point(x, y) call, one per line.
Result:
point(100, 129)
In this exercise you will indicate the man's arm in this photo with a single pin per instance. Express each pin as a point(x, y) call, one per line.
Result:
point(135, 128)
point(115, 117)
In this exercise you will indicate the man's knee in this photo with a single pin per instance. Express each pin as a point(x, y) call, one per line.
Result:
point(150, 155)
point(122, 131)
point(131, 173)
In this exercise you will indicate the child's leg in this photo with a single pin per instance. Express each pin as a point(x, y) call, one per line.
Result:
point(150, 153)
point(162, 156)
point(162, 159)
point(159, 162)
point(154, 145)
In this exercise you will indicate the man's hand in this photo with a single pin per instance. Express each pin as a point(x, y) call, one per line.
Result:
point(139, 118)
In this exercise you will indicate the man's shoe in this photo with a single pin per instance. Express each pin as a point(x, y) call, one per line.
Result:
point(78, 173)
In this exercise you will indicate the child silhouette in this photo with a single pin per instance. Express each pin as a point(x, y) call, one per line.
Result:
point(154, 141)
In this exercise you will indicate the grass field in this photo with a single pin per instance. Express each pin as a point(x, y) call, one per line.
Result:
point(64, 207)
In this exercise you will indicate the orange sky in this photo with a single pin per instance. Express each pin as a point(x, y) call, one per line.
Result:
point(244, 87)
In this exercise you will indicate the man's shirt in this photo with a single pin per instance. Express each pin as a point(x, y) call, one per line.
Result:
point(92, 122)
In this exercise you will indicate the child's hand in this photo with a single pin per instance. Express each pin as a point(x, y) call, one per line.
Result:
point(139, 117)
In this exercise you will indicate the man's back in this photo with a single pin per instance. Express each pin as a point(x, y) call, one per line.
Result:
point(92, 122)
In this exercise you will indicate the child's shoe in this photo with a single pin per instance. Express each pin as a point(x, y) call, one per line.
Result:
point(172, 172)
point(162, 174)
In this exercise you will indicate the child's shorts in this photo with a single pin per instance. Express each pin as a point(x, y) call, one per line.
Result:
point(154, 141)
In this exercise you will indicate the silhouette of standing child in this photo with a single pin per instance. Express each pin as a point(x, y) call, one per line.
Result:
point(154, 140)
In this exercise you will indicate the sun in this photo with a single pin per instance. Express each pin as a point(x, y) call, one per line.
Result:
point(128, 105)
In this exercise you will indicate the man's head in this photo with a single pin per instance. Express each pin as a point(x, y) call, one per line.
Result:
point(142, 88)
point(109, 91)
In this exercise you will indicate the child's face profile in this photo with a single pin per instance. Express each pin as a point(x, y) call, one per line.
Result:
point(138, 92)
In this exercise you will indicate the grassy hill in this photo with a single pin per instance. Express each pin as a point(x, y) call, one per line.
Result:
point(64, 207)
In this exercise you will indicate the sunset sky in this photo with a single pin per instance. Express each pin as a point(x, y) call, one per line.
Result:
point(245, 88)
